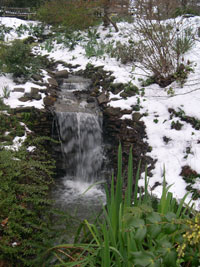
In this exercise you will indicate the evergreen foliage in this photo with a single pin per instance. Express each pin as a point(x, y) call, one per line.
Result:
point(24, 202)
point(25, 179)
point(16, 58)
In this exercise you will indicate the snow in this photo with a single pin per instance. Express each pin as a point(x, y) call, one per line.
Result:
point(171, 156)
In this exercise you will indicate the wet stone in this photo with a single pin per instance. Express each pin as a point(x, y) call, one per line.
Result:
point(34, 90)
point(52, 83)
point(24, 99)
point(61, 74)
point(49, 100)
point(19, 90)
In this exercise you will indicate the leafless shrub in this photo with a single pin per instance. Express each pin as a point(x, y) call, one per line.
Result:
point(162, 46)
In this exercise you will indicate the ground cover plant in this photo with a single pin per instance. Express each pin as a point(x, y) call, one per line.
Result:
point(25, 177)
point(17, 58)
point(136, 230)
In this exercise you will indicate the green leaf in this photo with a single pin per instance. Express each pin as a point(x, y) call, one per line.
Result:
point(140, 233)
point(135, 222)
point(143, 258)
point(154, 230)
point(164, 246)
point(154, 217)
point(170, 216)
point(170, 228)
point(170, 259)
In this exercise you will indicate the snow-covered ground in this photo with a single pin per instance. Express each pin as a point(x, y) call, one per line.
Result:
point(183, 146)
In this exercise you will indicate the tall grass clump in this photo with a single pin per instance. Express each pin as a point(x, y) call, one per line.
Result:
point(135, 229)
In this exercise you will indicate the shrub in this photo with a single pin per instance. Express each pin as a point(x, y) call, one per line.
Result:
point(24, 218)
point(162, 48)
point(16, 58)
point(74, 15)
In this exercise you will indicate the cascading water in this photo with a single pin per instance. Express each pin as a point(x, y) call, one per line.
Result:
point(81, 144)
point(79, 126)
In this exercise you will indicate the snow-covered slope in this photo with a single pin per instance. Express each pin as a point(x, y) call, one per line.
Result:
point(173, 149)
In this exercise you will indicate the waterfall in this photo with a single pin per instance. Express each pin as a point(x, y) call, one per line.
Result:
point(79, 127)
point(81, 144)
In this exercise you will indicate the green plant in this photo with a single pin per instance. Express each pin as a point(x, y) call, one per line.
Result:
point(6, 92)
point(72, 39)
point(136, 229)
point(186, 10)
point(95, 49)
point(125, 53)
point(48, 45)
point(74, 15)
point(9, 128)
point(3, 31)
point(148, 81)
point(184, 41)
point(16, 58)
point(176, 125)
point(24, 206)
point(170, 91)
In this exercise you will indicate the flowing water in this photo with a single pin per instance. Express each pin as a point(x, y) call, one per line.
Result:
point(79, 126)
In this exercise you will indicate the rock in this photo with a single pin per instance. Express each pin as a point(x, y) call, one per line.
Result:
point(124, 95)
point(19, 90)
point(116, 88)
point(110, 111)
point(49, 100)
point(52, 83)
point(114, 99)
point(136, 116)
point(91, 100)
point(36, 97)
point(23, 109)
point(24, 99)
point(61, 74)
point(28, 95)
point(37, 77)
point(34, 90)
point(103, 98)
point(126, 111)
point(33, 95)
point(130, 91)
